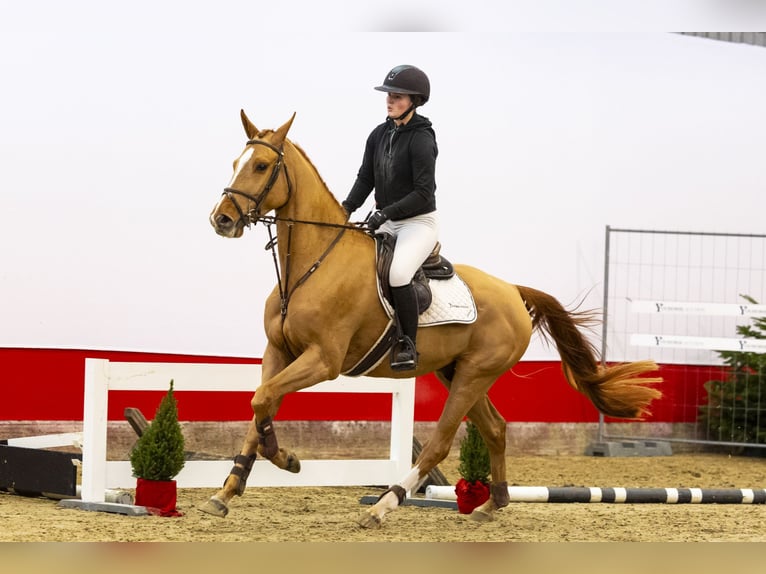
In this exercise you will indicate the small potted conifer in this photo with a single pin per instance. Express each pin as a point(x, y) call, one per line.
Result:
point(158, 457)
point(472, 489)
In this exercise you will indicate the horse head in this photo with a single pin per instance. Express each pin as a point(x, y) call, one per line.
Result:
point(259, 184)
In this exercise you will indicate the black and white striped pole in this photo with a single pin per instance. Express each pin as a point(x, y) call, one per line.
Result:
point(619, 495)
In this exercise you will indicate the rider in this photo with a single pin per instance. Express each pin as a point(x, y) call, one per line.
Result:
point(399, 163)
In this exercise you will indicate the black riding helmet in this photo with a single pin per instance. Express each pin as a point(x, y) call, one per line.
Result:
point(407, 79)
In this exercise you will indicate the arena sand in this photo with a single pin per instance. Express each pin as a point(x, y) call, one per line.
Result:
point(329, 514)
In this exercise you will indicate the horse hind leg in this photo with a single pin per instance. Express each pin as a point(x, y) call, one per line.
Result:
point(392, 498)
point(434, 451)
point(491, 425)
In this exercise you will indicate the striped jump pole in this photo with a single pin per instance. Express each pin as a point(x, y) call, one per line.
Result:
point(619, 495)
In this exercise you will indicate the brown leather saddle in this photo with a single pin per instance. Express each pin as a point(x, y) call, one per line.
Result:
point(434, 267)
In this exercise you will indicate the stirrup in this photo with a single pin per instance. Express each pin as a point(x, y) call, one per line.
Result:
point(404, 357)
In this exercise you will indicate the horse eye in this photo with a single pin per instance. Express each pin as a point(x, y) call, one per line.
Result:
point(261, 167)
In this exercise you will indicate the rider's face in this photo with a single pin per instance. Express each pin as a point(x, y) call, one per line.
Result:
point(397, 104)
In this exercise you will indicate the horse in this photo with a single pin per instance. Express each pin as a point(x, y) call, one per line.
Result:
point(325, 314)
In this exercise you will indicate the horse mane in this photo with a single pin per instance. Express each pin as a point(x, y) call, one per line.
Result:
point(311, 163)
point(262, 134)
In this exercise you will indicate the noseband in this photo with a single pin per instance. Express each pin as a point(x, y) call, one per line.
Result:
point(251, 215)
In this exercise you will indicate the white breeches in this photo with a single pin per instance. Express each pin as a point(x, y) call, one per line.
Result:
point(415, 239)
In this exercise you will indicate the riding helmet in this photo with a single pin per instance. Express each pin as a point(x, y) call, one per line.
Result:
point(407, 79)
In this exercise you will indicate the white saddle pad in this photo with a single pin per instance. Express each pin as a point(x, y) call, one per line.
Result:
point(452, 303)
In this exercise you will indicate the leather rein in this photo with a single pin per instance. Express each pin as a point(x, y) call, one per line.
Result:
point(251, 216)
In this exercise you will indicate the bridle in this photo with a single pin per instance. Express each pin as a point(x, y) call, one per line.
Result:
point(251, 216)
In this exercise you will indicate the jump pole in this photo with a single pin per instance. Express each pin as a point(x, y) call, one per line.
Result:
point(586, 494)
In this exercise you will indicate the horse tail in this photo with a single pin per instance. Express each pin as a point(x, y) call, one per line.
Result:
point(617, 390)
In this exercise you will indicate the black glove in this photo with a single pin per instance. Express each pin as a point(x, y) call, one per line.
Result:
point(376, 220)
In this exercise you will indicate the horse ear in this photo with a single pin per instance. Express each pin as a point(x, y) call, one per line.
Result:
point(281, 133)
point(250, 129)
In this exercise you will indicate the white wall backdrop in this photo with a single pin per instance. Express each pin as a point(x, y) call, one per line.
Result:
point(118, 125)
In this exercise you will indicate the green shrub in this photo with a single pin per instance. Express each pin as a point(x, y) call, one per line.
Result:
point(159, 452)
point(474, 456)
point(736, 407)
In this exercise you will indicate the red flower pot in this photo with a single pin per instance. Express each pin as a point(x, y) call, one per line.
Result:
point(158, 496)
point(470, 495)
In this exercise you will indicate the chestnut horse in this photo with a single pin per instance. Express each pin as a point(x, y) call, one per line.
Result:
point(325, 314)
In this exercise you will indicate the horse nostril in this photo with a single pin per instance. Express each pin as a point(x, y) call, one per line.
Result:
point(223, 220)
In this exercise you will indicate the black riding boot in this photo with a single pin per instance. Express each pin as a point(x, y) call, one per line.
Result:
point(404, 356)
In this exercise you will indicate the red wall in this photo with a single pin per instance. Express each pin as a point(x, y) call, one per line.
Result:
point(47, 384)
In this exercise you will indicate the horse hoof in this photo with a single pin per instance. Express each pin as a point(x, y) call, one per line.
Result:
point(481, 516)
point(293, 463)
point(370, 521)
point(216, 507)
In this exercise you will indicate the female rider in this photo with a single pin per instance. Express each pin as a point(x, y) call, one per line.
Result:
point(399, 164)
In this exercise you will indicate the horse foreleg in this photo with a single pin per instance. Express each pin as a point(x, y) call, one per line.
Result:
point(312, 367)
point(278, 379)
point(262, 439)
point(269, 448)
point(235, 483)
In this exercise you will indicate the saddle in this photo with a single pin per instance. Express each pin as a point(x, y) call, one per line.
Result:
point(434, 267)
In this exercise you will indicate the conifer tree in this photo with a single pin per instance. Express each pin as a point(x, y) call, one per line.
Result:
point(474, 456)
point(159, 452)
point(736, 405)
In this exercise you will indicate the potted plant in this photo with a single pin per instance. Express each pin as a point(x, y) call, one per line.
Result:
point(472, 489)
point(158, 457)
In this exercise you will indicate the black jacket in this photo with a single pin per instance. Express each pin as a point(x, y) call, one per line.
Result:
point(399, 163)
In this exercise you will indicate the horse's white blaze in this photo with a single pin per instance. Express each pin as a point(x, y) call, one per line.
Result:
point(240, 163)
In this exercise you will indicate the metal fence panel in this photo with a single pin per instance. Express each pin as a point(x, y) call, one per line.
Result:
point(677, 297)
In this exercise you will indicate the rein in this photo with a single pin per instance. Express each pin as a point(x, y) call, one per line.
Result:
point(284, 289)
point(251, 216)
point(268, 220)
point(285, 292)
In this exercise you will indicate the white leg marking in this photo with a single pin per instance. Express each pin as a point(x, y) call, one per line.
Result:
point(411, 480)
point(390, 501)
